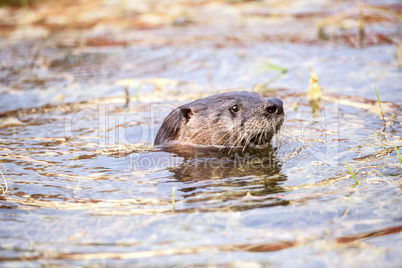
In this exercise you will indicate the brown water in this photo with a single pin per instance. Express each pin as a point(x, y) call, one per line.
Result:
point(85, 87)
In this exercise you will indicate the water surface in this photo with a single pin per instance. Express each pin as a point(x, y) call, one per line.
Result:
point(80, 107)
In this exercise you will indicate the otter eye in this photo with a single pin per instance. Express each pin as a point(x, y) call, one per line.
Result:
point(234, 109)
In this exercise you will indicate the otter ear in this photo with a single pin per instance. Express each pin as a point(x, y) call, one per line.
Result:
point(186, 113)
point(172, 123)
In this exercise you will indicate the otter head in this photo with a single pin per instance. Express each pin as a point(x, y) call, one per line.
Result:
point(234, 119)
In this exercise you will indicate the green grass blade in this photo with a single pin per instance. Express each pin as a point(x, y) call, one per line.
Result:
point(378, 98)
point(137, 92)
point(382, 114)
point(351, 172)
point(399, 155)
point(275, 67)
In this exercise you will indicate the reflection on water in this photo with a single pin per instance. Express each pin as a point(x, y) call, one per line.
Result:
point(211, 171)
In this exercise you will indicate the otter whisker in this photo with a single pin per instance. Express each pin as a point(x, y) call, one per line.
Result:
point(250, 134)
point(227, 133)
point(262, 134)
point(247, 142)
point(238, 140)
point(236, 143)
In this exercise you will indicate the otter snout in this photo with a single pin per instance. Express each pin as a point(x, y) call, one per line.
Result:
point(274, 106)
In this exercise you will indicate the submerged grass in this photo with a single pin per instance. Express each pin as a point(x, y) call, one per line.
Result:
point(351, 172)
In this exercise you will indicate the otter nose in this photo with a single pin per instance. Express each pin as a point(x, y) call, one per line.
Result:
point(274, 106)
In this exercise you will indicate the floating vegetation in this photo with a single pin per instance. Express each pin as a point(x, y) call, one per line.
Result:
point(361, 15)
point(10, 122)
point(5, 188)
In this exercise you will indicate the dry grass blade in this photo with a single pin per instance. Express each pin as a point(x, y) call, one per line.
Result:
point(173, 197)
point(148, 206)
point(5, 183)
point(276, 246)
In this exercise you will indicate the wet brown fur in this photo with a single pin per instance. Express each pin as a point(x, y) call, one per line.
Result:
point(212, 121)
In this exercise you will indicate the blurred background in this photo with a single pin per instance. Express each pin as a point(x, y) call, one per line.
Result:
point(69, 51)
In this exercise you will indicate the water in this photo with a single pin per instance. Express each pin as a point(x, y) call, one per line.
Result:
point(87, 188)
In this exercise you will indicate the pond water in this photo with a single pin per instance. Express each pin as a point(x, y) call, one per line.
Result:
point(80, 107)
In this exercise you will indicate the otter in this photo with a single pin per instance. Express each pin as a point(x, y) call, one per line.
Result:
point(231, 120)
